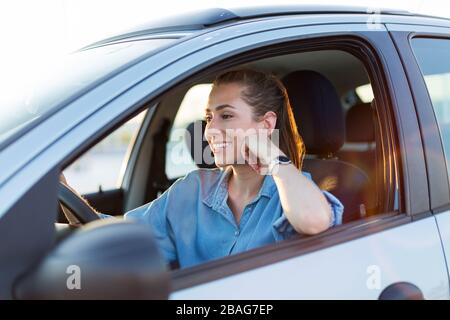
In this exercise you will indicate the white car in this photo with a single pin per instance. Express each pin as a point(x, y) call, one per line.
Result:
point(379, 83)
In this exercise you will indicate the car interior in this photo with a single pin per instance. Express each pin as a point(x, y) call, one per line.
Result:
point(333, 104)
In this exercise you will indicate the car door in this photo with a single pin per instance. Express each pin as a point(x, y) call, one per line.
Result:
point(353, 261)
point(426, 52)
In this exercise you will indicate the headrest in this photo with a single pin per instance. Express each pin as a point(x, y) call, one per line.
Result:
point(359, 123)
point(317, 110)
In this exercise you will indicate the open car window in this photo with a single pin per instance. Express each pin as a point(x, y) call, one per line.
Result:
point(357, 152)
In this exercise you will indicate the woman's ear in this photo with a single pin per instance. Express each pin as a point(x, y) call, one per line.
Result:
point(270, 121)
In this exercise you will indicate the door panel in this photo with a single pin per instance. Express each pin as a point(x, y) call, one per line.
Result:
point(359, 269)
point(443, 220)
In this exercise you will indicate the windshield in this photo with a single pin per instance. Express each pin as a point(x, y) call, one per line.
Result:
point(27, 98)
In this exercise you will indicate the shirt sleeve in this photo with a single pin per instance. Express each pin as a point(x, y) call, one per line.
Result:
point(285, 230)
point(154, 214)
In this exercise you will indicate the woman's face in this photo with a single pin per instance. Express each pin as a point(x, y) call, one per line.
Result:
point(228, 120)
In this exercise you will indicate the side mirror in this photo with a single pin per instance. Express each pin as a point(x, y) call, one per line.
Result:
point(104, 259)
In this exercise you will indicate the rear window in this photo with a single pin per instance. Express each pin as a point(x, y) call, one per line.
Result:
point(39, 92)
point(433, 56)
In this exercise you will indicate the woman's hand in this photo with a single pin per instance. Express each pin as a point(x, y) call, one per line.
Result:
point(259, 150)
point(307, 210)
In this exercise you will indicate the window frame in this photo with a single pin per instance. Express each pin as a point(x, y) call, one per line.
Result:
point(439, 184)
point(216, 269)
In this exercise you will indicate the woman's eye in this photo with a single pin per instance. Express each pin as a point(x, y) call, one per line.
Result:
point(208, 118)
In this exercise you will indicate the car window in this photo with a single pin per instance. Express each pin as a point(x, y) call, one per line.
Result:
point(178, 161)
point(103, 166)
point(178, 158)
point(433, 58)
point(38, 92)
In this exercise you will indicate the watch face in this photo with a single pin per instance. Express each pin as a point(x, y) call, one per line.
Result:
point(283, 159)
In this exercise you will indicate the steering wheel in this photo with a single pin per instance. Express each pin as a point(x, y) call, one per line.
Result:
point(78, 207)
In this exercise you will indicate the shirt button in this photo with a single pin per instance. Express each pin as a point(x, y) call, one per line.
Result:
point(236, 233)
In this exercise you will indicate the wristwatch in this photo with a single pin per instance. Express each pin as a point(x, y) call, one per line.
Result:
point(278, 160)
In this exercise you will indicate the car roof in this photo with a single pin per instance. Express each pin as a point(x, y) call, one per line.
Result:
point(186, 23)
point(213, 16)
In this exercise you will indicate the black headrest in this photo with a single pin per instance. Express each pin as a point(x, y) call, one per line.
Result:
point(359, 123)
point(198, 146)
point(317, 110)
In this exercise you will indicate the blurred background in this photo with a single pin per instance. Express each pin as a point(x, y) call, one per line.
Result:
point(35, 33)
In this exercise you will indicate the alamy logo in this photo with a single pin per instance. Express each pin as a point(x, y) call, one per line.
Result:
point(373, 281)
point(74, 279)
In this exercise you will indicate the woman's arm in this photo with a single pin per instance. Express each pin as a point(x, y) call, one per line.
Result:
point(304, 204)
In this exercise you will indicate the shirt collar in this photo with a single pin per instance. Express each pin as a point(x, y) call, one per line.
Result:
point(217, 194)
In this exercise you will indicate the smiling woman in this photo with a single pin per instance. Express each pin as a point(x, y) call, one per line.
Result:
point(242, 204)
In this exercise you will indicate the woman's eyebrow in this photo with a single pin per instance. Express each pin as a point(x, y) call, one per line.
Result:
point(222, 106)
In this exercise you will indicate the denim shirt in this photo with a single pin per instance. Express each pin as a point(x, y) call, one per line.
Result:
point(193, 223)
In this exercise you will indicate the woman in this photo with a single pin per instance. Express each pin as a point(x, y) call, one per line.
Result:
point(258, 194)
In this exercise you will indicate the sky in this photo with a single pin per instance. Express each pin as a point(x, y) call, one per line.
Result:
point(34, 32)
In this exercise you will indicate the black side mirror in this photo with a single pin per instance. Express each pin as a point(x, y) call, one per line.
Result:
point(105, 259)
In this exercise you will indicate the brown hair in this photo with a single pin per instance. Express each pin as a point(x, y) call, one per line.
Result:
point(265, 92)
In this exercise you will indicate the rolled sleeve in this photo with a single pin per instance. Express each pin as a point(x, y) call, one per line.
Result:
point(282, 228)
point(337, 209)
